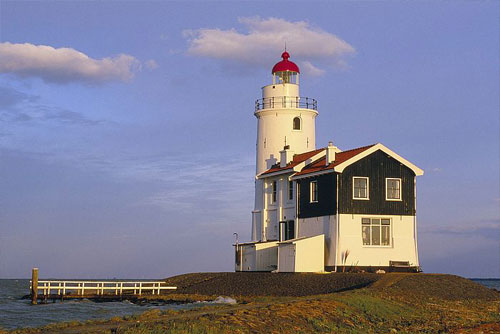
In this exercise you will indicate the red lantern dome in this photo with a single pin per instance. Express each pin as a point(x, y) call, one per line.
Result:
point(285, 65)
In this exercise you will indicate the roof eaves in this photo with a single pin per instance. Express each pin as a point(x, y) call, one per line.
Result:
point(311, 174)
point(340, 167)
point(278, 172)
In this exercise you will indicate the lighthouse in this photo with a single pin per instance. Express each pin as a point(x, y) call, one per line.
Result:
point(286, 125)
point(283, 117)
point(315, 206)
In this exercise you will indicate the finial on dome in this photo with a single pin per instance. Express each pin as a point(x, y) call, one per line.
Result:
point(285, 64)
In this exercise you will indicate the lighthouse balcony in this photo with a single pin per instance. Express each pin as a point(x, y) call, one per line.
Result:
point(283, 102)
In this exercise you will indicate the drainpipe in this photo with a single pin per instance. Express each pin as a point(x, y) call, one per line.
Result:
point(236, 246)
point(415, 219)
point(337, 222)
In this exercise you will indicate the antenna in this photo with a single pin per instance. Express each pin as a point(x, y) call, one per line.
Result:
point(285, 46)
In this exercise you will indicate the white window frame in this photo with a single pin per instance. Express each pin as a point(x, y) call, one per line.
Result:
point(293, 125)
point(371, 232)
point(311, 199)
point(387, 189)
point(367, 198)
point(274, 192)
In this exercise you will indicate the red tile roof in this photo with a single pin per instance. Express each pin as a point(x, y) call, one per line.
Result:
point(340, 157)
point(297, 159)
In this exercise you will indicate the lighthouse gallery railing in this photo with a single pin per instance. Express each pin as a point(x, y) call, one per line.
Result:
point(278, 102)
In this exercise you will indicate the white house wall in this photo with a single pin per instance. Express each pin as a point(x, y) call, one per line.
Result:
point(308, 254)
point(302, 255)
point(402, 246)
point(286, 258)
point(258, 256)
point(308, 227)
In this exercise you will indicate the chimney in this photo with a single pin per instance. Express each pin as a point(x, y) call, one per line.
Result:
point(286, 156)
point(330, 153)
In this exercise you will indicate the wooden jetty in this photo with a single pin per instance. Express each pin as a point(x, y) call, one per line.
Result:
point(95, 290)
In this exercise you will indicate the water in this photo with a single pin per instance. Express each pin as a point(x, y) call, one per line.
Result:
point(492, 283)
point(17, 313)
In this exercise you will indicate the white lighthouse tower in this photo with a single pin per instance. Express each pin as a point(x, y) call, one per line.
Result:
point(285, 126)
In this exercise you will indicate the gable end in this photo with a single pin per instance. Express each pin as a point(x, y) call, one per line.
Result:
point(378, 166)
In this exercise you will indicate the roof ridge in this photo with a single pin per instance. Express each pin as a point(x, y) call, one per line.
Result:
point(358, 148)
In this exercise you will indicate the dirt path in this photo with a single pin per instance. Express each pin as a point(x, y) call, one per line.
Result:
point(388, 280)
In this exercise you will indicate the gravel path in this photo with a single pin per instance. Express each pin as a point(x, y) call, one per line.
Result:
point(269, 284)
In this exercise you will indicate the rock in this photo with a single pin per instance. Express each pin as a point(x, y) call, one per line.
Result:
point(380, 271)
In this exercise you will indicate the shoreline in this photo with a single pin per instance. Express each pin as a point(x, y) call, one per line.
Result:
point(408, 303)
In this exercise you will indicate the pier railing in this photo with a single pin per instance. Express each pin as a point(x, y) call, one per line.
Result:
point(83, 288)
point(281, 102)
point(100, 290)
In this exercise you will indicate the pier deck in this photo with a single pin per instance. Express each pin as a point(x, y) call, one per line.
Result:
point(95, 290)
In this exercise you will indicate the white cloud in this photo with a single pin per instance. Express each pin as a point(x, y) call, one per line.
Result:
point(151, 64)
point(489, 228)
point(63, 65)
point(312, 70)
point(266, 39)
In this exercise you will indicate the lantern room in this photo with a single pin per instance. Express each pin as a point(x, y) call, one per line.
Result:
point(285, 71)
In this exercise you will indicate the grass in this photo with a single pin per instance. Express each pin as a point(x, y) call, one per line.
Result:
point(398, 304)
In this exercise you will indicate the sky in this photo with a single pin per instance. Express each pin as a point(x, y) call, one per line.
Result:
point(127, 134)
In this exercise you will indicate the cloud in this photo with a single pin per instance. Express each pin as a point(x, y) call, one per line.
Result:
point(63, 65)
point(151, 64)
point(266, 39)
point(311, 69)
point(10, 97)
point(488, 228)
point(17, 106)
point(188, 184)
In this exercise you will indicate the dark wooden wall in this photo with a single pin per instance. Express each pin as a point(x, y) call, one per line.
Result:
point(377, 166)
point(327, 196)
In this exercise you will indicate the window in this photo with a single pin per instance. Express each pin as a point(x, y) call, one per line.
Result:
point(314, 191)
point(296, 123)
point(290, 190)
point(287, 230)
point(376, 231)
point(273, 193)
point(360, 188)
point(393, 189)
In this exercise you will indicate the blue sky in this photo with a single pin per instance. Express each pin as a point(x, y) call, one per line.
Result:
point(127, 135)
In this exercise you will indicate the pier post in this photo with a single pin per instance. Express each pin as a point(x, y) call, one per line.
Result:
point(34, 286)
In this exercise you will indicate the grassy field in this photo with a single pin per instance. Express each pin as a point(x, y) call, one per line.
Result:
point(390, 303)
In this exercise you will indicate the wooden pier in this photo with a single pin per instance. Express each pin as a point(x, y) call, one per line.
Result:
point(45, 290)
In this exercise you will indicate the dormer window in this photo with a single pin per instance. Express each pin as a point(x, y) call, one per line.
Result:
point(297, 123)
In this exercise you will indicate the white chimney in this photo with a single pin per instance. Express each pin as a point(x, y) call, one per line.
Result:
point(330, 153)
point(286, 156)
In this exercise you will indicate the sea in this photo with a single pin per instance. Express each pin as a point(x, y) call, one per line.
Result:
point(16, 312)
